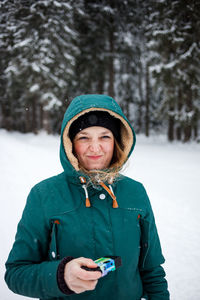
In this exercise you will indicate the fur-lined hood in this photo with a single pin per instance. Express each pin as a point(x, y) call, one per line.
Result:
point(81, 105)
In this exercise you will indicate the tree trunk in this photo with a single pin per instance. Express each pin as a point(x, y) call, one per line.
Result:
point(100, 86)
point(189, 119)
point(5, 118)
point(195, 124)
point(34, 116)
point(187, 133)
point(41, 116)
point(171, 123)
point(147, 101)
point(46, 121)
point(111, 63)
point(27, 120)
point(141, 101)
point(180, 104)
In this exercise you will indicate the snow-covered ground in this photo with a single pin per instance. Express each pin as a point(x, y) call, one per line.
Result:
point(170, 173)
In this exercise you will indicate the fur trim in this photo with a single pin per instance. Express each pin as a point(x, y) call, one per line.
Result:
point(126, 140)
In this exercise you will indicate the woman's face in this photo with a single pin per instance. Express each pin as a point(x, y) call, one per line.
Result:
point(94, 147)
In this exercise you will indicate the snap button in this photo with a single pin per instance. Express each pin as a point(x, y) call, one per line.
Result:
point(53, 254)
point(102, 196)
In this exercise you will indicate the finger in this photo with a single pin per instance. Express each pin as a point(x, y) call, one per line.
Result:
point(91, 284)
point(88, 262)
point(84, 274)
point(88, 275)
point(83, 285)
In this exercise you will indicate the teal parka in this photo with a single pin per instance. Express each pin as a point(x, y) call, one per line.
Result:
point(56, 223)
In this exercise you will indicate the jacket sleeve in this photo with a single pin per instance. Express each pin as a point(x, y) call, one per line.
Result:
point(152, 273)
point(29, 270)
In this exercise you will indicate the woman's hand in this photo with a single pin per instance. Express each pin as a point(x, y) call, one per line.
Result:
point(78, 279)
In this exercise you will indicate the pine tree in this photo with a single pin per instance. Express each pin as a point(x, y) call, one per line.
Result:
point(174, 38)
point(40, 69)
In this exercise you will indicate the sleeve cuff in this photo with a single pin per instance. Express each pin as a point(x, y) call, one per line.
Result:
point(60, 276)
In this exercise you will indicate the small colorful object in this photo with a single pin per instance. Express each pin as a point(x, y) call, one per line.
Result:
point(106, 264)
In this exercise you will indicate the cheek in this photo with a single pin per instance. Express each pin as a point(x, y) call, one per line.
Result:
point(109, 148)
point(78, 149)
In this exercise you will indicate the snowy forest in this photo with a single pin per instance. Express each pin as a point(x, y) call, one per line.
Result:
point(146, 54)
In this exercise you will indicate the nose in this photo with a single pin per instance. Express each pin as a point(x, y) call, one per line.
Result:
point(95, 146)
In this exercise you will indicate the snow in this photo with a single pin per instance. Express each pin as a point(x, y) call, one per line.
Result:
point(169, 172)
point(52, 101)
point(69, 57)
point(56, 3)
point(35, 67)
point(188, 53)
point(108, 9)
point(34, 88)
point(23, 43)
point(159, 67)
point(163, 32)
point(12, 68)
point(70, 31)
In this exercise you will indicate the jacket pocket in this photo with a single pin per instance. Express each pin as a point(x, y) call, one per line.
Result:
point(151, 253)
point(145, 229)
point(53, 252)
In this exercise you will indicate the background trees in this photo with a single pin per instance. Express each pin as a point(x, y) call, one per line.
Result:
point(143, 53)
point(174, 38)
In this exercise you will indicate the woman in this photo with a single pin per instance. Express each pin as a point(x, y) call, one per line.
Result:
point(87, 212)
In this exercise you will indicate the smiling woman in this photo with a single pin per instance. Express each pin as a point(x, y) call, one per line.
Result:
point(89, 211)
point(94, 147)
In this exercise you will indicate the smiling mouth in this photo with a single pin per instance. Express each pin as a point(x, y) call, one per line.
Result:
point(94, 157)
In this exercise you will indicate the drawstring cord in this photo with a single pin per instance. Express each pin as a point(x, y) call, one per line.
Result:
point(109, 191)
point(115, 204)
point(87, 200)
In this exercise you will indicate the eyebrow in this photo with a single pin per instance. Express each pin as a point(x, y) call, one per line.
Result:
point(101, 133)
point(105, 132)
point(83, 133)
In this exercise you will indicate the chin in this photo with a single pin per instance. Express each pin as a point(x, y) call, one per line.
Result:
point(97, 167)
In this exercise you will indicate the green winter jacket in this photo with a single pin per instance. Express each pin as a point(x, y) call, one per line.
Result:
point(56, 223)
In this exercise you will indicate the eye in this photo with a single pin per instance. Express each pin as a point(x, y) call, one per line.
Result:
point(82, 138)
point(105, 137)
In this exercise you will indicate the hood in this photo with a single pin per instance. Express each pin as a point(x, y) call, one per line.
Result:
point(81, 105)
